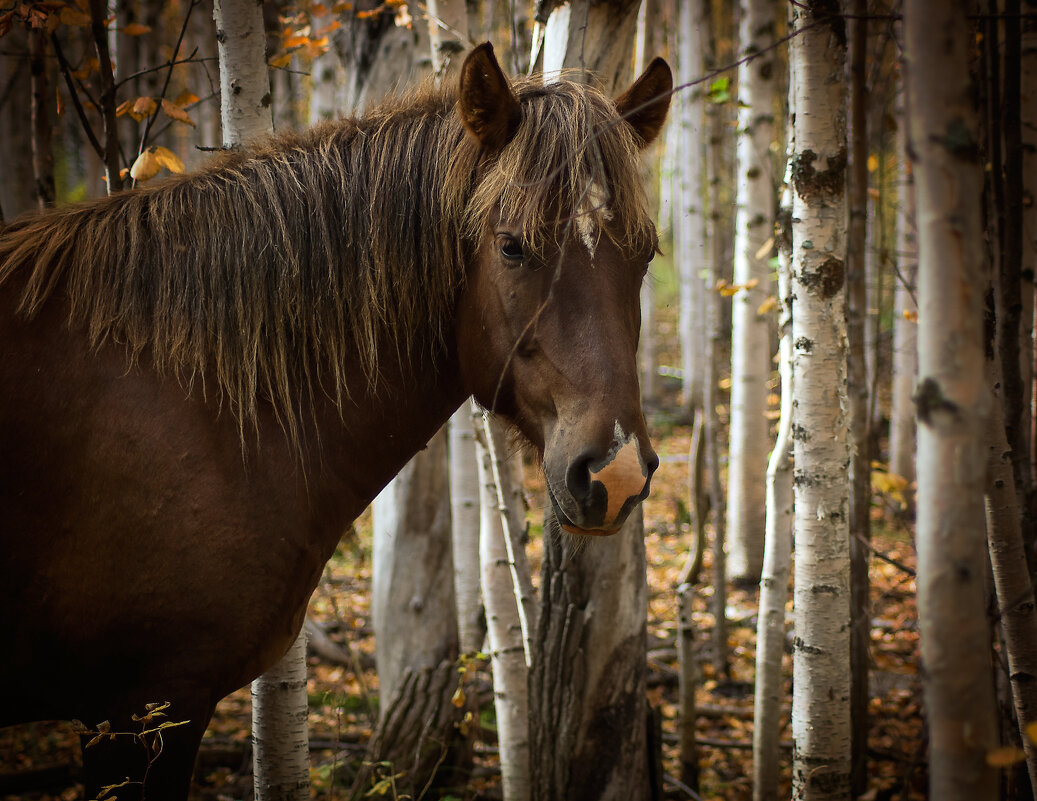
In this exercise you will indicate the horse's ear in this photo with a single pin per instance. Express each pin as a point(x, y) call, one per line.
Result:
point(644, 105)
point(489, 109)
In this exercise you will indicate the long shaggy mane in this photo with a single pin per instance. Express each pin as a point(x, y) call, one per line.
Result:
point(268, 271)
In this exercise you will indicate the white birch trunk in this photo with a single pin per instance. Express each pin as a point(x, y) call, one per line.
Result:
point(508, 650)
point(905, 325)
point(952, 400)
point(281, 753)
point(244, 80)
point(448, 35)
point(770, 626)
point(465, 525)
point(821, 656)
point(324, 79)
point(594, 666)
point(280, 732)
point(1015, 597)
point(750, 330)
point(689, 225)
point(412, 602)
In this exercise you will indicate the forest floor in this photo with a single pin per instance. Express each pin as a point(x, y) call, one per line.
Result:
point(343, 696)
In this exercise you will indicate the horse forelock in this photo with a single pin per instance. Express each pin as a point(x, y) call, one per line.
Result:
point(268, 272)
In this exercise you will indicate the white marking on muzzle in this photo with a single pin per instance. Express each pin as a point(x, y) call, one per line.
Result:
point(623, 473)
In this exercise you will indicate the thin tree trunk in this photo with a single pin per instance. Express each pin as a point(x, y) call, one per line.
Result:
point(244, 79)
point(1028, 111)
point(952, 401)
point(905, 319)
point(857, 383)
point(1015, 598)
point(42, 132)
point(112, 155)
point(465, 526)
point(750, 330)
point(821, 656)
point(17, 189)
point(504, 623)
point(448, 34)
point(717, 333)
point(689, 223)
point(279, 735)
point(770, 626)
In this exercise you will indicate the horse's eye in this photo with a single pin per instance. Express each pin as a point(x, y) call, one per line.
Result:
point(510, 248)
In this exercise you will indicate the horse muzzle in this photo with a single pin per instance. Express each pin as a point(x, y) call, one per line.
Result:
point(594, 491)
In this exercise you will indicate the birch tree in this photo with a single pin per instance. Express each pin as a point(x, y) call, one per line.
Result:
point(689, 220)
point(465, 521)
point(905, 320)
point(594, 667)
point(505, 579)
point(750, 330)
point(770, 626)
point(280, 738)
point(821, 655)
point(952, 399)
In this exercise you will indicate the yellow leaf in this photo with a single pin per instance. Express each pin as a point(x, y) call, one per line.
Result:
point(186, 98)
point(176, 113)
point(751, 283)
point(724, 383)
point(143, 107)
point(145, 167)
point(1031, 731)
point(136, 29)
point(459, 698)
point(769, 303)
point(765, 248)
point(873, 162)
point(281, 60)
point(168, 159)
point(1005, 756)
point(910, 315)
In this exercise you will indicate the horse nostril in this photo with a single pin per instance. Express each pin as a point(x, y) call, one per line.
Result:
point(651, 463)
point(578, 477)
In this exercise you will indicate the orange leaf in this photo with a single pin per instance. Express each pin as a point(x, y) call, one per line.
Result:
point(295, 41)
point(143, 107)
point(1005, 756)
point(186, 98)
point(334, 25)
point(281, 60)
point(136, 29)
point(72, 16)
point(769, 303)
point(318, 9)
point(123, 107)
point(89, 66)
point(338, 8)
point(168, 159)
point(177, 113)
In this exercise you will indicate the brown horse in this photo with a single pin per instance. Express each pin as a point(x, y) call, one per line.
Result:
point(206, 380)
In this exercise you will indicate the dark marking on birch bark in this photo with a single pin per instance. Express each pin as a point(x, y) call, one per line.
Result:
point(799, 433)
point(799, 645)
point(824, 589)
point(811, 183)
point(960, 140)
point(803, 344)
point(827, 280)
point(929, 399)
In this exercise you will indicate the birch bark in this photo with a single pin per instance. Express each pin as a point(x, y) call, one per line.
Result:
point(750, 330)
point(821, 655)
point(952, 400)
point(770, 626)
point(465, 524)
point(281, 754)
point(591, 634)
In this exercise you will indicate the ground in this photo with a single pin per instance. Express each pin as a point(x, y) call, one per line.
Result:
point(343, 697)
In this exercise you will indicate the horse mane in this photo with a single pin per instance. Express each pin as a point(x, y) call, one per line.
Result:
point(269, 270)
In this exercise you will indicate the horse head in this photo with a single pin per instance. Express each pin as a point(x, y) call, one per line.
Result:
point(549, 318)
